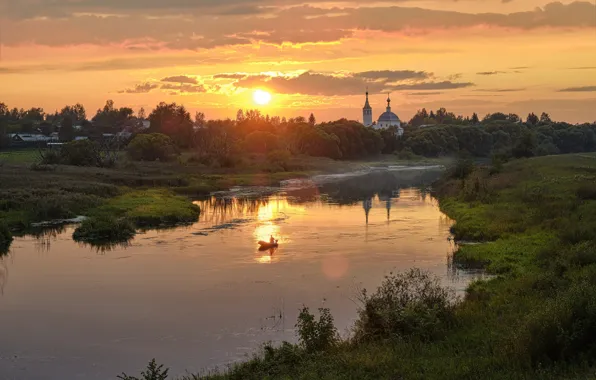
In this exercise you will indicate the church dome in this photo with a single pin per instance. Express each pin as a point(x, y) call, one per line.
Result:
point(388, 117)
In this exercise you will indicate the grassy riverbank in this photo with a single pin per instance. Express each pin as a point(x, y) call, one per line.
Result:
point(535, 320)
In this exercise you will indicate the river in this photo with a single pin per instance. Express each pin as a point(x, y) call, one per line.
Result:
point(203, 296)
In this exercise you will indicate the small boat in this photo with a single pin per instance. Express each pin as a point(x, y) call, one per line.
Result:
point(267, 245)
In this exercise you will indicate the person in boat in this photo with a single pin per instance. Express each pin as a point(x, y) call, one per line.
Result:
point(272, 240)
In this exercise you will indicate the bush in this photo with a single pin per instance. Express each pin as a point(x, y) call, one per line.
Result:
point(5, 238)
point(280, 158)
point(151, 147)
point(463, 168)
point(587, 191)
point(406, 154)
point(316, 335)
point(51, 157)
point(154, 372)
point(411, 304)
point(80, 153)
point(496, 165)
point(104, 229)
point(557, 329)
point(260, 142)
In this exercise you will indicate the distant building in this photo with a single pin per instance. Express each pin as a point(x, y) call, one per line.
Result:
point(367, 113)
point(29, 140)
point(387, 119)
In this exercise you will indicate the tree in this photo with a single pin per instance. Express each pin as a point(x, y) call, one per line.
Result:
point(475, 120)
point(200, 119)
point(174, 121)
point(66, 132)
point(532, 119)
point(142, 114)
point(111, 119)
point(240, 116)
point(513, 118)
point(311, 120)
point(4, 140)
point(46, 128)
point(545, 118)
point(76, 113)
point(420, 118)
point(525, 147)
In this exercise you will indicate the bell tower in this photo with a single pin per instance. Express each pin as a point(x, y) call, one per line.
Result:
point(367, 112)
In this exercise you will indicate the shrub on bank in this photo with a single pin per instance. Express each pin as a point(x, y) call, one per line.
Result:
point(104, 229)
point(151, 147)
point(316, 335)
point(5, 238)
point(406, 305)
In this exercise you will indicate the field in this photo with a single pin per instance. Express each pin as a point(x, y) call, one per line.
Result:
point(535, 320)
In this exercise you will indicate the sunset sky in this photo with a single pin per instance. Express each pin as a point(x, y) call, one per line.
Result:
point(317, 56)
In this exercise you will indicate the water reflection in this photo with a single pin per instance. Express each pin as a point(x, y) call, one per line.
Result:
point(202, 295)
point(44, 236)
point(3, 271)
point(103, 247)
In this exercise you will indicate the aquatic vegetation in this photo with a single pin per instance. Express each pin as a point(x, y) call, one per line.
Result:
point(117, 220)
point(150, 208)
point(5, 238)
point(104, 229)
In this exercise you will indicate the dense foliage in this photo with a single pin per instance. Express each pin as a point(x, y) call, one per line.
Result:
point(151, 147)
point(501, 135)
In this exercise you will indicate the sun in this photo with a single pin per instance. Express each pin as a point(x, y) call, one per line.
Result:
point(261, 97)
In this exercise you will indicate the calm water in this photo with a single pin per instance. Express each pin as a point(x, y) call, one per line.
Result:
point(202, 296)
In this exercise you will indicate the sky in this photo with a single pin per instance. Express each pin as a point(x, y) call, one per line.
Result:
point(317, 56)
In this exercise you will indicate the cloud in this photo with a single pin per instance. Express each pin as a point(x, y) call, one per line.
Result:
point(500, 89)
point(491, 72)
point(393, 76)
point(190, 25)
point(424, 93)
point(181, 79)
point(579, 89)
point(139, 89)
point(445, 85)
point(312, 83)
point(229, 76)
point(184, 88)
point(583, 68)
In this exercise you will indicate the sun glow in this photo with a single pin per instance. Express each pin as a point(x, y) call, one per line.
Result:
point(261, 97)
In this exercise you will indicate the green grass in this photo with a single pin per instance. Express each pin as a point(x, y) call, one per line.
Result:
point(149, 208)
point(25, 156)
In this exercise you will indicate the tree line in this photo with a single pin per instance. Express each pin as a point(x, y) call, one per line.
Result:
point(430, 134)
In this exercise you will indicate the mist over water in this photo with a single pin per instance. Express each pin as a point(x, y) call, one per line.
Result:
point(203, 296)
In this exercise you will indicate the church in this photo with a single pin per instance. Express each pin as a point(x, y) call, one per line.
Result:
point(386, 120)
